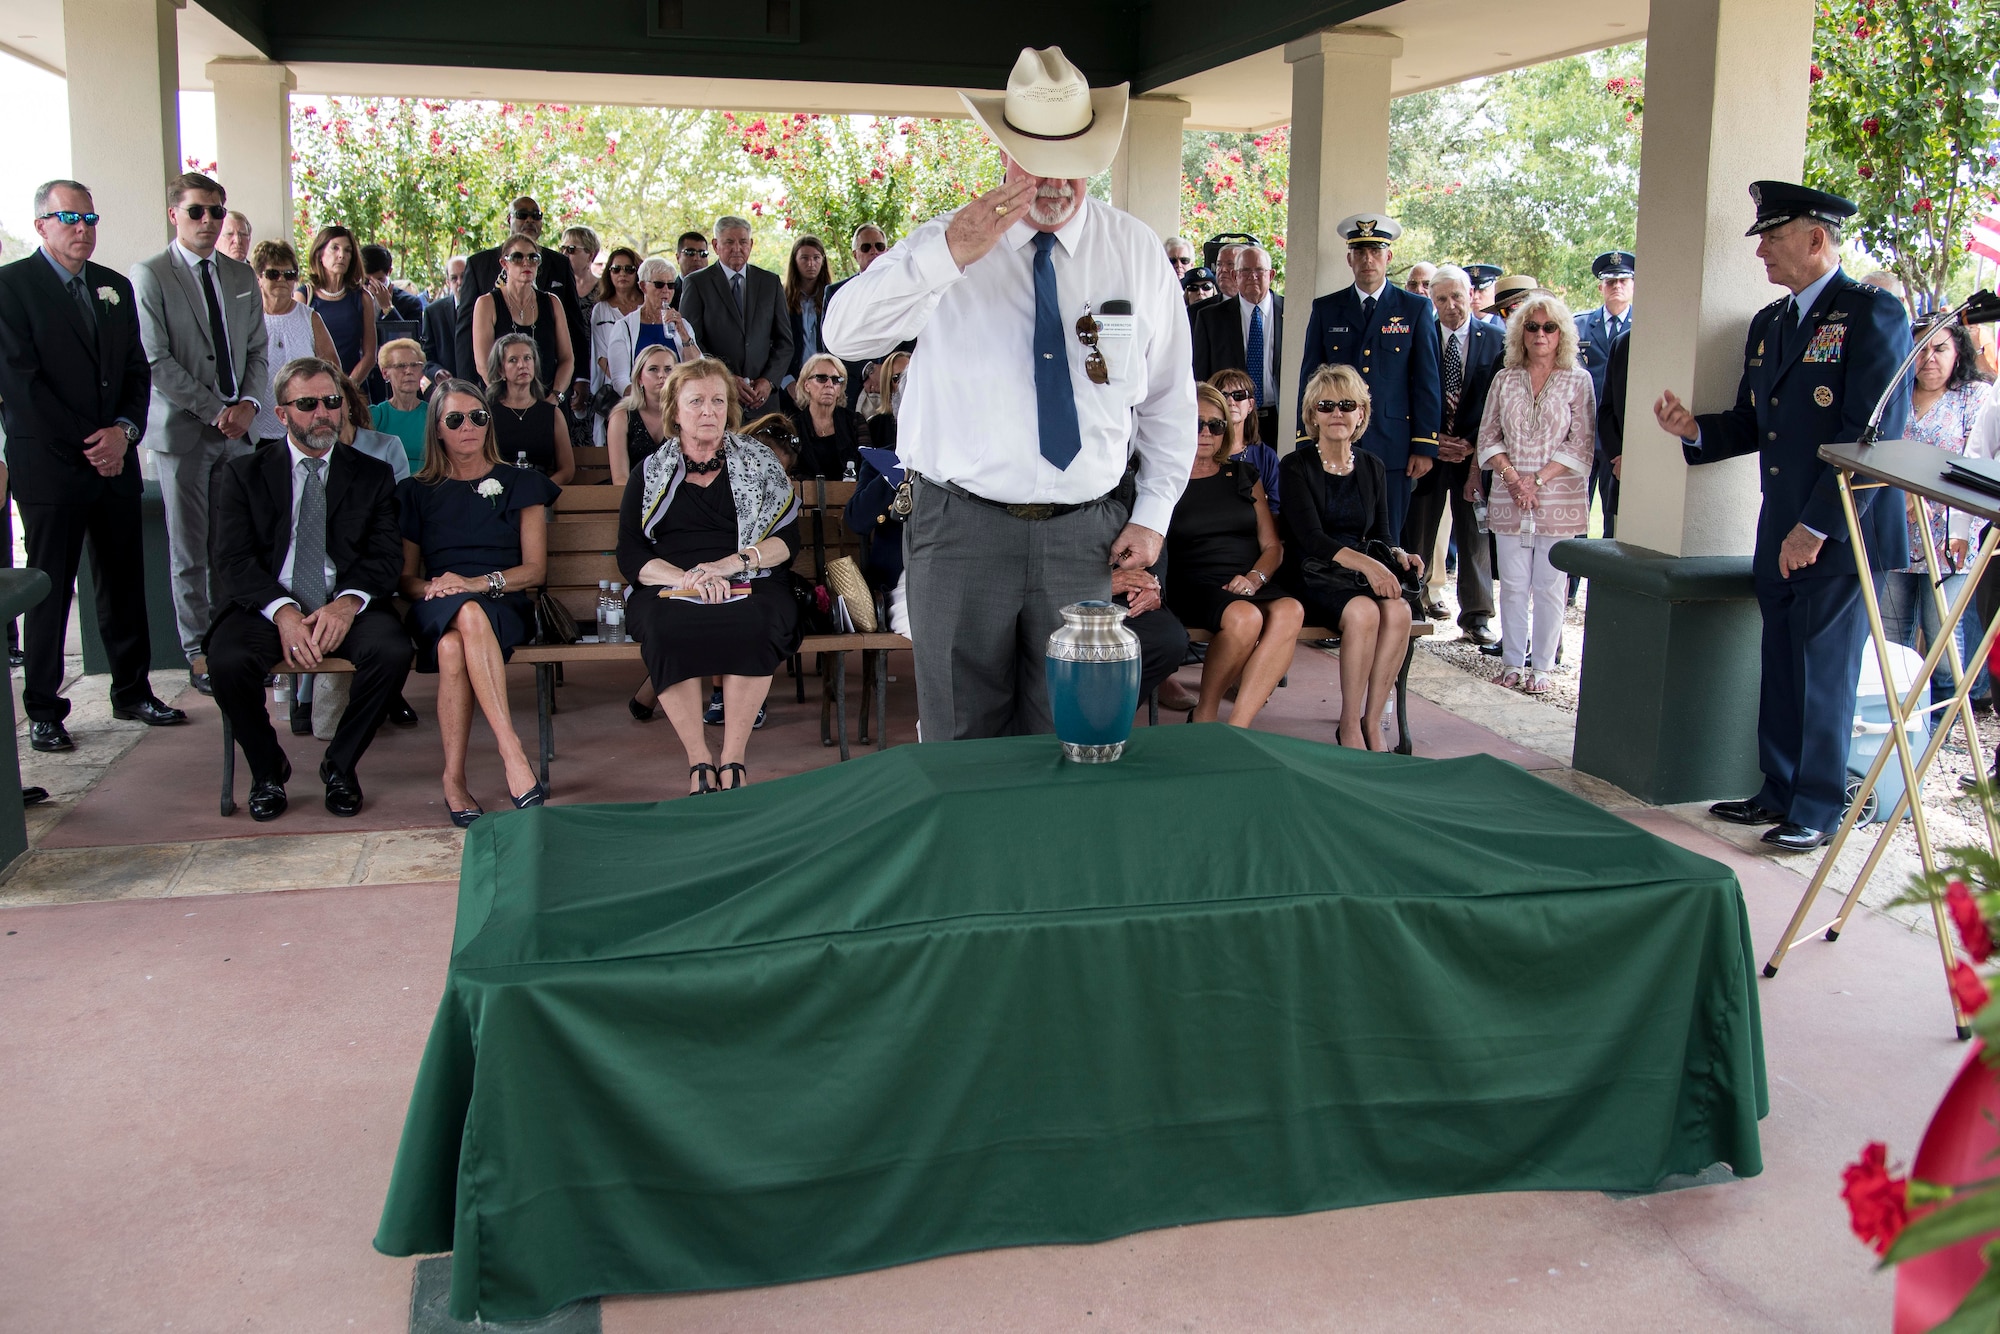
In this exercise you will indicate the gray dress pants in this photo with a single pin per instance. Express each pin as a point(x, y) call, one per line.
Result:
point(985, 590)
point(184, 482)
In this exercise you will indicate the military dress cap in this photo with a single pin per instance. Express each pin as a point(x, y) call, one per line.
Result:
point(1196, 276)
point(1370, 229)
point(1614, 264)
point(1778, 202)
point(1482, 275)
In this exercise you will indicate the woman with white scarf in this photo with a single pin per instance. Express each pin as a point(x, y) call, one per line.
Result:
point(706, 532)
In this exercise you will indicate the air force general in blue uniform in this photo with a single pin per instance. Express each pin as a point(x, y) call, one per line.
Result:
point(1390, 336)
point(1814, 365)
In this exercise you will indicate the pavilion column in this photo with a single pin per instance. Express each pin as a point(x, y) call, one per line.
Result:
point(122, 62)
point(1670, 670)
point(1340, 165)
point(253, 142)
point(1146, 174)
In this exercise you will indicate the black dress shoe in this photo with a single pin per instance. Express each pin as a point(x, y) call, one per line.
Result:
point(50, 738)
point(1971, 782)
point(267, 796)
point(1745, 812)
point(1479, 633)
point(150, 712)
point(34, 796)
point(401, 714)
point(1796, 837)
point(343, 794)
point(1491, 650)
point(1436, 610)
point(200, 681)
point(534, 796)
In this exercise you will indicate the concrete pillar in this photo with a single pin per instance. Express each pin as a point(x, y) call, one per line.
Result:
point(253, 142)
point(123, 71)
point(1726, 91)
point(1146, 174)
point(1340, 165)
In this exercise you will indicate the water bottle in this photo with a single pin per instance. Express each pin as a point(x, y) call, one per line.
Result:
point(614, 621)
point(281, 693)
point(603, 609)
point(851, 475)
point(1528, 522)
point(1479, 515)
point(521, 459)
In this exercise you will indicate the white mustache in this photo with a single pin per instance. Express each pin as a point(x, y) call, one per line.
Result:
point(1055, 190)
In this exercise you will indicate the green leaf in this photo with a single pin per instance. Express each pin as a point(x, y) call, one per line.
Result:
point(1968, 1215)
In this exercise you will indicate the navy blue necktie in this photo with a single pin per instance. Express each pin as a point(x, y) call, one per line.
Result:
point(1253, 351)
point(1055, 400)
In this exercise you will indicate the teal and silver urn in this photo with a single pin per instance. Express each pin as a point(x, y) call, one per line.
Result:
point(1093, 672)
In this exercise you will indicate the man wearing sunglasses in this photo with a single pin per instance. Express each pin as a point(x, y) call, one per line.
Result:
point(202, 320)
point(308, 549)
point(868, 244)
point(73, 392)
point(1390, 336)
point(1244, 333)
point(552, 275)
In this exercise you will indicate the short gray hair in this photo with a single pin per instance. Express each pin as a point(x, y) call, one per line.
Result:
point(46, 190)
point(298, 368)
point(1173, 241)
point(655, 267)
point(729, 220)
point(1450, 275)
point(855, 239)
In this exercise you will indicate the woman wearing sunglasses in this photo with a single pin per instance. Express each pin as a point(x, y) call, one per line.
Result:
point(1537, 438)
point(516, 305)
point(474, 542)
point(831, 434)
point(1340, 514)
point(1222, 553)
point(292, 330)
point(1240, 394)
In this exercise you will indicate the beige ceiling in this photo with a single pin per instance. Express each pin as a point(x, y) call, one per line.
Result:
point(1444, 42)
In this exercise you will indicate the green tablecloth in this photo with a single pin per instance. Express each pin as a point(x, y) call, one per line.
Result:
point(968, 995)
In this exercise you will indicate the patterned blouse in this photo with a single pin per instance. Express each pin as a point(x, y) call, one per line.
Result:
point(1946, 426)
point(1532, 429)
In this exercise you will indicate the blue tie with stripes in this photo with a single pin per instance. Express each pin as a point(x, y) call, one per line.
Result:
point(1055, 400)
point(1253, 351)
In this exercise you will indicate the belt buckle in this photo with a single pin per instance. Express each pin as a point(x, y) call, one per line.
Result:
point(1032, 513)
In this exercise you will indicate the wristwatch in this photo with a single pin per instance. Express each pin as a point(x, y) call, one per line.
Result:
point(131, 434)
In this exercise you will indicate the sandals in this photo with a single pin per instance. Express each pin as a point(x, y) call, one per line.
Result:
point(742, 776)
point(702, 772)
point(1510, 679)
point(1536, 684)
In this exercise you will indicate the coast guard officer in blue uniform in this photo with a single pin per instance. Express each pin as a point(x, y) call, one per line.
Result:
point(1482, 278)
point(1390, 336)
point(1814, 365)
point(1596, 331)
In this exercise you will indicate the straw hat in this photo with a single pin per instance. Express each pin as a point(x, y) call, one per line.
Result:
point(1050, 120)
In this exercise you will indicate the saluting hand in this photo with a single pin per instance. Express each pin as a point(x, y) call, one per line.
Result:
point(1674, 417)
point(978, 227)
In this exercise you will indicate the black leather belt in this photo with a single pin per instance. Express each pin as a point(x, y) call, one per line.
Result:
point(1032, 513)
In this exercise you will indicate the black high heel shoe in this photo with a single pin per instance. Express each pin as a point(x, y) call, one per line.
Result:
point(742, 777)
point(464, 819)
point(701, 772)
point(640, 712)
point(534, 796)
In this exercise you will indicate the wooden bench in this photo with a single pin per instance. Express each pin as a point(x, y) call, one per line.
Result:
point(327, 667)
point(583, 540)
point(1319, 636)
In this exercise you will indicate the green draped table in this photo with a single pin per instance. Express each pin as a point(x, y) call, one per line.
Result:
point(964, 995)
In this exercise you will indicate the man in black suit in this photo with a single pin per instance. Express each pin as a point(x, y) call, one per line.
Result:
point(1470, 352)
point(440, 332)
point(306, 550)
point(552, 275)
point(1236, 331)
point(691, 256)
point(739, 315)
point(74, 388)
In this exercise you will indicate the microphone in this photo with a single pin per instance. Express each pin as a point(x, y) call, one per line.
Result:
point(1982, 307)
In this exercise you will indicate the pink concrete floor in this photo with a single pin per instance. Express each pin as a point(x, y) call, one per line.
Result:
point(200, 1100)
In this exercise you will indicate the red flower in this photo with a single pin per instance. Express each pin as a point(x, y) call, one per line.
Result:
point(1870, 125)
point(1867, 172)
point(1967, 988)
point(1921, 206)
point(1817, 74)
point(1972, 931)
point(1877, 1203)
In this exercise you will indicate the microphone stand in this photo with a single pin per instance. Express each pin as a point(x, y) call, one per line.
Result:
point(1982, 307)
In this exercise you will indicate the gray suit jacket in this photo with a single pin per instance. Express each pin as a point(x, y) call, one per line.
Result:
point(173, 327)
point(758, 347)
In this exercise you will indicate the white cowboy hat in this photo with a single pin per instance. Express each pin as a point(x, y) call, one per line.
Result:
point(1050, 120)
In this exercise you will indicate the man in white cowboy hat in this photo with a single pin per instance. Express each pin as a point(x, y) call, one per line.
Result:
point(1053, 348)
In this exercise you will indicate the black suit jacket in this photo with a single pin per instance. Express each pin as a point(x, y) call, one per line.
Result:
point(1485, 351)
point(757, 344)
point(61, 381)
point(1611, 404)
point(1218, 339)
point(440, 334)
point(250, 527)
point(482, 272)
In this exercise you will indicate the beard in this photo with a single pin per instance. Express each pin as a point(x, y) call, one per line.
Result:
point(1055, 202)
point(319, 438)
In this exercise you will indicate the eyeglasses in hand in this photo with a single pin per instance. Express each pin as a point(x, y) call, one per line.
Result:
point(1087, 329)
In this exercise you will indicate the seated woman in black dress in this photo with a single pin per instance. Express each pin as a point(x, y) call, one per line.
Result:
point(830, 433)
point(474, 541)
point(1336, 503)
point(638, 425)
point(711, 509)
point(1222, 549)
point(525, 419)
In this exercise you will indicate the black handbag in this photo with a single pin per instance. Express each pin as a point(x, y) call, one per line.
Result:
point(1329, 581)
point(553, 623)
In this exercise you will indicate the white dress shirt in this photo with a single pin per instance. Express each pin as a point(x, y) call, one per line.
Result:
point(969, 416)
point(1264, 373)
point(1982, 443)
point(193, 263)
point(299, 474)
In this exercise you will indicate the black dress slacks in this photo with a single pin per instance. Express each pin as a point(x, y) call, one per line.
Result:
point(53, 536)
point(242, 647)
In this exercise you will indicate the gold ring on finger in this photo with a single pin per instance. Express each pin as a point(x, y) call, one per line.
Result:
point(1001, 209)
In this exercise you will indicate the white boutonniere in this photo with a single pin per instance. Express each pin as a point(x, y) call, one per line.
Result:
point(491, 489)
point(108, 295)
